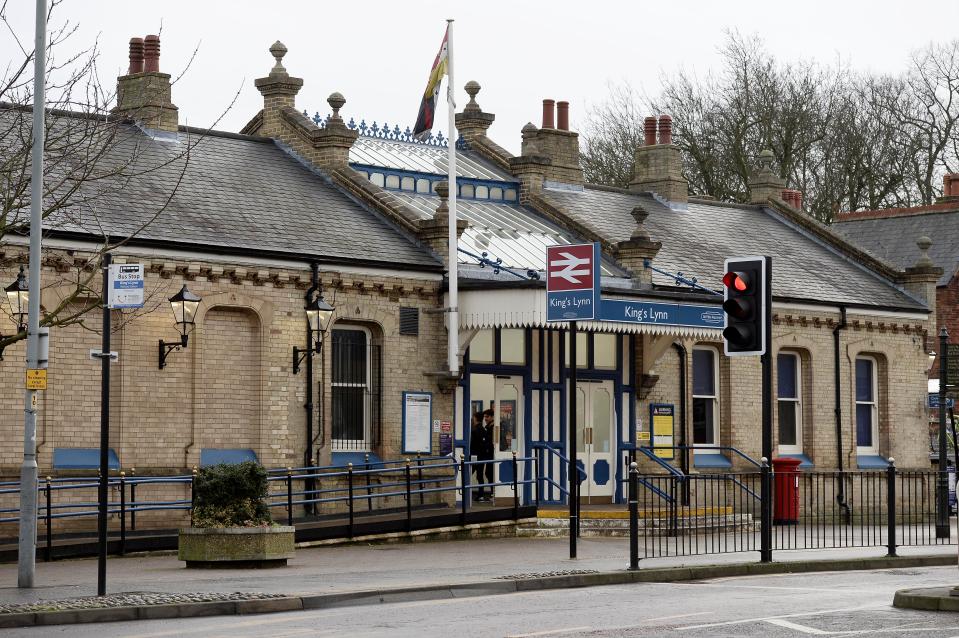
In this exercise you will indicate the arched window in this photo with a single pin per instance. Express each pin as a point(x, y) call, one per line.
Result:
point(789, 402)
point(867, 405)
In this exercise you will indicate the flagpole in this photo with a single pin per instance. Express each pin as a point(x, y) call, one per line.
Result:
point(454, 322)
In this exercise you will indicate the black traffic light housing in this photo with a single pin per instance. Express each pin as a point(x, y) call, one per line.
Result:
point(747, 306)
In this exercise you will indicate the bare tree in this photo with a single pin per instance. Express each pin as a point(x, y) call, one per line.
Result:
point(848, 141)
point(91, 156)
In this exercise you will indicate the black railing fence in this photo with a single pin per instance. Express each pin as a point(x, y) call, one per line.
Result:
point(302, 494)
point(677, 515)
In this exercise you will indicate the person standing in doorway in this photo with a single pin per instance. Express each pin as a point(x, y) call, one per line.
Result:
point(481, 445)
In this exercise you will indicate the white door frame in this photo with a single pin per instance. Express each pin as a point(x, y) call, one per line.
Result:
point(589, 453)
point(504, 444)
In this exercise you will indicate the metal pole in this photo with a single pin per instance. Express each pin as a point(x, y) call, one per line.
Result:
point(891, 507)
point(573, 469)
point(308, 406)
point(454, 321)
point(28, 470)
point(633, 516)
point(766, 519)
point(942, 482)
point(104, 432)
point(123, 514)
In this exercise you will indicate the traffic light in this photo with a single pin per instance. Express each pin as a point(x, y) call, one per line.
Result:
point(747, 302)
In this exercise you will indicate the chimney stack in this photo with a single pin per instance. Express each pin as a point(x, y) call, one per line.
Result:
point(551, 152)
point(562, 116)
point(950, 186)
point(658, 168)
point(548, 114)
point(144, 94)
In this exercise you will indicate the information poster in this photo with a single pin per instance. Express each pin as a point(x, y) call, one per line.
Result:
point(661, 418)
point(417, 419)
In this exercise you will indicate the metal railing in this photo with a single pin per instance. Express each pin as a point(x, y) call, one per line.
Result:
point(387, 487)
point(886, 508)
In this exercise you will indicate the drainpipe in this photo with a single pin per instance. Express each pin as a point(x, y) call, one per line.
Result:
point(684, 458)
point(308, 406)
point(841, 491)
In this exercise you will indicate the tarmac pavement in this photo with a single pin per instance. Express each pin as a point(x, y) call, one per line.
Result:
point(364, 574)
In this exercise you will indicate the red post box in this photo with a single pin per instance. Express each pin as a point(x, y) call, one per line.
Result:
point(786, 500)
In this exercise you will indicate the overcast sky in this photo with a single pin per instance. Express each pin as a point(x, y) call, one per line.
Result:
point(378, 53)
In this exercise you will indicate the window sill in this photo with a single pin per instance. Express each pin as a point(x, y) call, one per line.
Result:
point(871, 462)
point(806, 461)
point(358, 459)
point(215, 456)
point(711, 460)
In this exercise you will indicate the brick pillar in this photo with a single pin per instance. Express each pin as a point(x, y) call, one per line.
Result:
point(331, 144)
point(659, 167)
point(436, 231)
point(634, 252)
point(765, 184)
point(920, 280)
point(473, 122)
point(279, 91)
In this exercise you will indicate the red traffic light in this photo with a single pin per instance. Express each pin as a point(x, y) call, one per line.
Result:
point(738, 281)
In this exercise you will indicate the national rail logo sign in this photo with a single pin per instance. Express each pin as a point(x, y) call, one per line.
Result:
point(572, 282)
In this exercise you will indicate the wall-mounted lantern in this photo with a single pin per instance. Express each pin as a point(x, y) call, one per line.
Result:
point(184, 305)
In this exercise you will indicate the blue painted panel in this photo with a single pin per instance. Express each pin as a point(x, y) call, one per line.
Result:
point(505, 471)
point(582, 470)
point(871, 462)
point(82, 458)
point(212, 456)
point(711, 460)
point(601, 472)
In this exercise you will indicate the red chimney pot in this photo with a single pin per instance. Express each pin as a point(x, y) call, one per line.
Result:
point(665, 129)
point(797, 197)
point(649, 129)
point(136, 55)
point(151, 54)
point(548, 113)
point(562, 116)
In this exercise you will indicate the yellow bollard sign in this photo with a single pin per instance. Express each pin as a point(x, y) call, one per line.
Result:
point(37, 379)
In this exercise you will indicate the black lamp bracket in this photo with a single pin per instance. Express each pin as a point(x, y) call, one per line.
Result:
point(166, 347)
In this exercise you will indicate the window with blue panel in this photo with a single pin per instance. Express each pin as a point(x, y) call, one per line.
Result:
point(865, 403)
point(704, 397)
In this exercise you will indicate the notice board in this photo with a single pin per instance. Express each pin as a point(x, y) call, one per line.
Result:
point(662, 417)
point(417, 418)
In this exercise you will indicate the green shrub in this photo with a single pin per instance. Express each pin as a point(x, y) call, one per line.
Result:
point(231, 495)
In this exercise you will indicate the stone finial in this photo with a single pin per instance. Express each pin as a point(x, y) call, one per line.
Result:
point(529, 128)
point(336, 102)
point(639, 215)
point(924, 261)
point(472, 88)
point(278, 50)
point(443, 190)
point(765, 183)
point(765, 161)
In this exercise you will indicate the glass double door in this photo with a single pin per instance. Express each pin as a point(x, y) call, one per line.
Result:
point(595, 440)
point(502, 394)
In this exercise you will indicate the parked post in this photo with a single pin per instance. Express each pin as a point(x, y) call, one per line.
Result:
point(891, 506)
point(419, 477)
point(192, 493)
point(102, 492)
point(409, 498)
point(515, 490)
point(942, 482)
point(289, 496)
point(369, 490)
point(133, 499)
point(349, 483)
point(123, 513)
point(464, 489)
point(633, 516)
point(47, 555)
point(766, 518)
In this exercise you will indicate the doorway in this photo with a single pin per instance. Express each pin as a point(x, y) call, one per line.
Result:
point(504, 395)
point(595, 436)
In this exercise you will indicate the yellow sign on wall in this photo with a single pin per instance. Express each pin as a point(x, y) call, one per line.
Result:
point(37, 379)
point(662, 419)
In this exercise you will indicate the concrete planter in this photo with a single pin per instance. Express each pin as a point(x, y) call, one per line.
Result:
point(236, 546)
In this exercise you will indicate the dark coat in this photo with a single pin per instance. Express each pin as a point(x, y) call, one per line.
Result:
point(481, 441)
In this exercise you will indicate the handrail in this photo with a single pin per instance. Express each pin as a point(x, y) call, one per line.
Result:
point(735, 451)
point(650, 454)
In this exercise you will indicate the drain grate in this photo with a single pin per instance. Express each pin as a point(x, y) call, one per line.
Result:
point(561, 572)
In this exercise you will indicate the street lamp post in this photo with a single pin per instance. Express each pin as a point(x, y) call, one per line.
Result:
point(18, 296)
point(184, 305)
point(319, 313)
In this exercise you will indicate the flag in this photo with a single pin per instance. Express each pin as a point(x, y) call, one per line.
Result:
point(424, 121)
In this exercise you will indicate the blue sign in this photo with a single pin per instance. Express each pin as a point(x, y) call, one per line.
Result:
point(572, 282)
point(934, 402)
point(666, 314)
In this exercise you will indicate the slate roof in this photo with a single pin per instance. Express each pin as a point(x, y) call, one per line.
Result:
point(696, 241)
point(237, 194)
point(893, 237)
